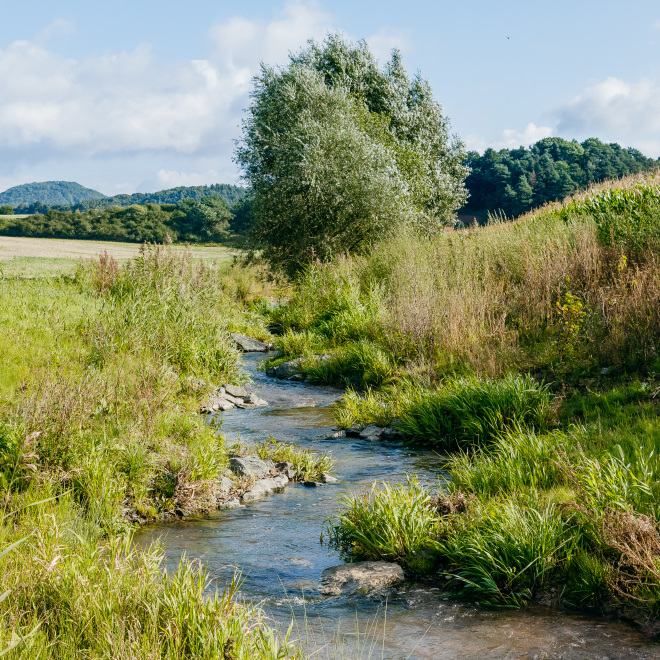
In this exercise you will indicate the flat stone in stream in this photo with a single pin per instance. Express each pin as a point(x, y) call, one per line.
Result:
point(363, 576)
point(237, 391)
point(249, 345)
point(249, 466)
point(265, 487)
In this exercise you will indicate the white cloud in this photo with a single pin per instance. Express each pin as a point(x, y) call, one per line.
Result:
point(614, 109)
point(173, 178)
point(131, 102)
point(510, 138)
point(60, 26)
point(382, 42)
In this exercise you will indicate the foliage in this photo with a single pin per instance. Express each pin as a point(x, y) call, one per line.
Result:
point(78, 598)
point(505, 552)
point(338, 154)
point(48, 192)
point(627, 218)
point(513, 181)
point(465, 412)
point(543, 294)
point(458, 413)
point(189, 221)
point(309, 465)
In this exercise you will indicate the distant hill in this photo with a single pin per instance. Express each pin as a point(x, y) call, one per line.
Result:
point(228, 192)
point(514, 181)
point(53, 193)
point(40, 197)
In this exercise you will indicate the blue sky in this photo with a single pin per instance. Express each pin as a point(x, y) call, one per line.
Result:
point(142, 95)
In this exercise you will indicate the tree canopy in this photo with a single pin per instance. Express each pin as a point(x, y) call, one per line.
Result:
point(339, 152)
point(207, 220)
point(517, 180)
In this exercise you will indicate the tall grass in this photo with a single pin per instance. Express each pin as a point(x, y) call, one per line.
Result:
point(111, 600)
point(392, 523)
point(456, 413)
point(100, 375)
point(506, 552)
point(552, 292)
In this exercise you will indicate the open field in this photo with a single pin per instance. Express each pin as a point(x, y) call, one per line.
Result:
point(32, 257)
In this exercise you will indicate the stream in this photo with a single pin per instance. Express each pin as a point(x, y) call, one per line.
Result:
point(274, 543)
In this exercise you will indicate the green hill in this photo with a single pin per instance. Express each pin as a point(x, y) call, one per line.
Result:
point(227, 191)
point(41, 197)
point(53, 193)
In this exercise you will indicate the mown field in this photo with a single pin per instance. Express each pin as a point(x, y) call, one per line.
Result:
point(29, 257)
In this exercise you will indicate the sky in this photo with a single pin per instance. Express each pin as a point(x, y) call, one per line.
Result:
point(140, 95)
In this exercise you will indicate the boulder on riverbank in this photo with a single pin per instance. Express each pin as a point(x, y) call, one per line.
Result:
point(250, 467)
point(249, 345)
point(363, 576)
point(229, 397)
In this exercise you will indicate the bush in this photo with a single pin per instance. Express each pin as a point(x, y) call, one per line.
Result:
point(340, 153)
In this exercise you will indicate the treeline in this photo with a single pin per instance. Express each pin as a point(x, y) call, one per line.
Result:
point(231, 194)
point(513, 181)
point(207, 220)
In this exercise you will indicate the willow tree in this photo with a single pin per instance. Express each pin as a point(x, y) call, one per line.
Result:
point(339, 153)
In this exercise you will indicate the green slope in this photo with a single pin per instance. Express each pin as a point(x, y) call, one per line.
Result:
point(49, 192)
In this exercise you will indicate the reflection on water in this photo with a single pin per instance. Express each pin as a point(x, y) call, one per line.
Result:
point(275, 543)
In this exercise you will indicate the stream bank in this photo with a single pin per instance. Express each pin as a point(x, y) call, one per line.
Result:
point(274, 542)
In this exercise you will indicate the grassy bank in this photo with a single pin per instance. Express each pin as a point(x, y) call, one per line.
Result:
point(102, 374)
point(530, 352)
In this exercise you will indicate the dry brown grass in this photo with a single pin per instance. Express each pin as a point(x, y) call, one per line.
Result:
point(509, 294)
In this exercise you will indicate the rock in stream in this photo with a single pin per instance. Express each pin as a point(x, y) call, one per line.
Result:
point(366, 576)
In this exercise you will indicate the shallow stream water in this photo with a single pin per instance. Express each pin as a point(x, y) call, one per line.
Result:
point(275, 544)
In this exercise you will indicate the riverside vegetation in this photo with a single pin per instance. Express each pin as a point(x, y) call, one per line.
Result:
point(101, 372)
point(528, 353)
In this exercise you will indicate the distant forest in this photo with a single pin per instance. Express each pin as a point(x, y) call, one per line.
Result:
point(510, 181)
point(53, 193)
point(514, 181)
point(45, 202)
point(207, 220)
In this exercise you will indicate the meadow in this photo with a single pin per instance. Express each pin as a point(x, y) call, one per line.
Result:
point(103, 368)
point(526, 353)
